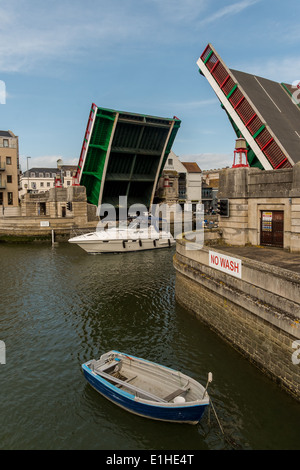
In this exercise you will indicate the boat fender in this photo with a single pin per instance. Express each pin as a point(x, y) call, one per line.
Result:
point(169, 242)
point(179, 400)
point(154, 242)
point(124, 244)
point(140, 242)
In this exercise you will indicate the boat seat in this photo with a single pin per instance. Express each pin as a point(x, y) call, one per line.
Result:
point(176, 393)
point(129, 379)
point(136, 390)
point(108, 369)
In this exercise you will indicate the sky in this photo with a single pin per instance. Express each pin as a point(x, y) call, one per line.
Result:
point(60, 56)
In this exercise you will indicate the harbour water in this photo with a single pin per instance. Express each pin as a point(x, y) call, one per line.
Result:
point(61, 307)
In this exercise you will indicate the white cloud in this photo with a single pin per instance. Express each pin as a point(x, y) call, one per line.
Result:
point(229, 10)
point(33, 32)
point(46, 161)
point(209, 161)
point(181, 10)
point(286, 70)
point(194, 104)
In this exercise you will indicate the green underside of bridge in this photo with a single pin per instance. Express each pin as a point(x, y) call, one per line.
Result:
point(130, 147)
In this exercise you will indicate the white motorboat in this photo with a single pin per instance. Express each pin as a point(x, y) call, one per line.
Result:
point(136, 236)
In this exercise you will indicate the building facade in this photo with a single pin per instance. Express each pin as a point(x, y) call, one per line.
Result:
point(180, 182)
point(193, 182)
point(210, 186)
point(39, 180)
point(264, 207)
point(9, 170)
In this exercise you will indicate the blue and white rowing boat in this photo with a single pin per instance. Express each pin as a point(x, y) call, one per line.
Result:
point(146, 388)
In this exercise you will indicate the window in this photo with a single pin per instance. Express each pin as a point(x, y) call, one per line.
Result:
point(41, 175)
point(10, 199)
point(8, 160)
point(47, 175)
point(68, 183)
point(32, 175)
point(170, 161)
point(1, 199)
point(53, 175)
point(9, 178)
point(5, 143)
point(48, 185)
point(68, 173)
point(41, 185)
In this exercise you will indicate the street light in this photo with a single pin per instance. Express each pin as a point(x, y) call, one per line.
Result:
point(27, 175)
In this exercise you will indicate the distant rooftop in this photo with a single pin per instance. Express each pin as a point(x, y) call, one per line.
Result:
point(38, 170)
point(6, 134)
point(192, 167)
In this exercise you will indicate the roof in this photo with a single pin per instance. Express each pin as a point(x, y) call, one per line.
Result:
point(69, 167)
point(192, 167)
point(51, 170)
point(39, 169)
point(5, 134)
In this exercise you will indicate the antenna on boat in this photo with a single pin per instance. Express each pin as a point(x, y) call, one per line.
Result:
point(209, 380)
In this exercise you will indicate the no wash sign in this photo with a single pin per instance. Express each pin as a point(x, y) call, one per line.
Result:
point(227, 264)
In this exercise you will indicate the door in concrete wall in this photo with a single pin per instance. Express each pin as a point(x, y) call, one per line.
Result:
point(271, 228)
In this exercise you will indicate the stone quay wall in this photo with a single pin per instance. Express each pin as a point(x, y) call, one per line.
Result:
point(251, 191)
point(257, 314)
point(46, 216)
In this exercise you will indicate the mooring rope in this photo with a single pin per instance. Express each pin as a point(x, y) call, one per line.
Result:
point(227, 438)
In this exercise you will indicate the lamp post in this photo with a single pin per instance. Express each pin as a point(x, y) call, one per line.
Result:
point(27, 175)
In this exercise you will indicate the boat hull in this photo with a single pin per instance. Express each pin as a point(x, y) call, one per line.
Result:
point(121, 246)
point(170, 412)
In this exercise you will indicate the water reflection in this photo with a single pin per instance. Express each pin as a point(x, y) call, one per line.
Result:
point(61, 307)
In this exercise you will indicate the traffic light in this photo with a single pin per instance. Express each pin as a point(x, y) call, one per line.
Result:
point(223, 207)
point(69, 206)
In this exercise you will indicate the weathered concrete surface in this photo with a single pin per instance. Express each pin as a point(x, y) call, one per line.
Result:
point(273, 256)
point(259, 314)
